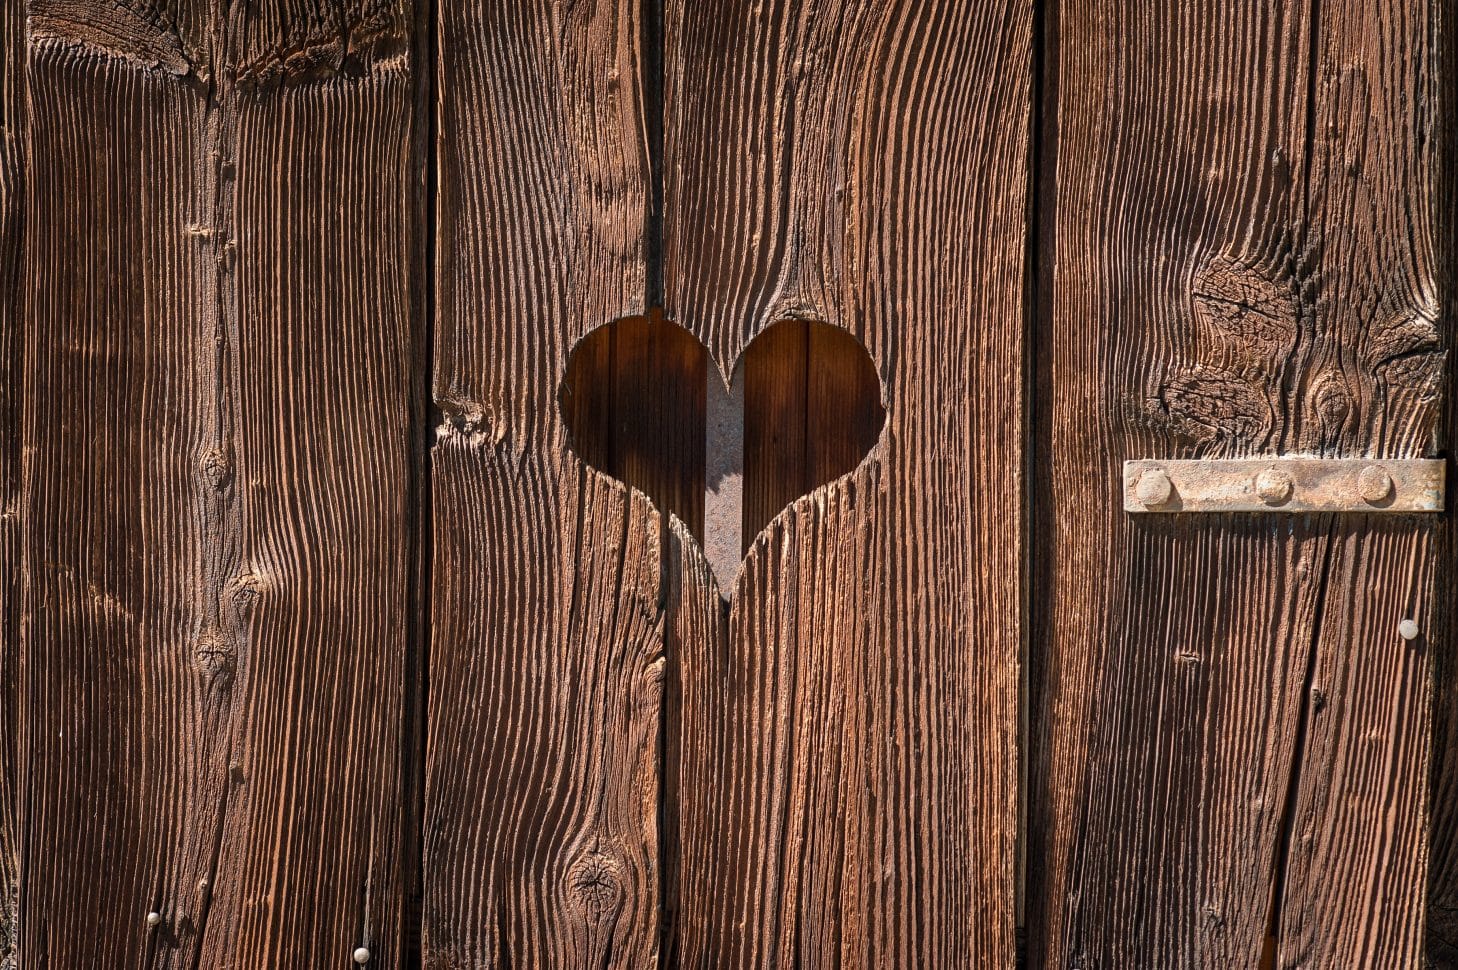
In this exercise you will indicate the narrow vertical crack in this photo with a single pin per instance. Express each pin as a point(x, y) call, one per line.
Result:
point(1036, 457)
point(653, 83)
point(1286, 827)
point(1308, 311)
point(651, 42)
point(416, 732)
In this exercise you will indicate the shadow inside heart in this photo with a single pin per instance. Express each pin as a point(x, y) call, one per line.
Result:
point(643, 404)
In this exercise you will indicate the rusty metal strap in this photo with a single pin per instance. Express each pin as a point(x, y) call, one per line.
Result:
point(1285, 485)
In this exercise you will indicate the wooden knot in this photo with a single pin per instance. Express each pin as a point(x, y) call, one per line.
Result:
point(466, 422)
point(1332, 402)
point(1207, 403)
point(1252, 311)
point(214, 656)
point(217, 468)
point(243, 591)
point(595, 886)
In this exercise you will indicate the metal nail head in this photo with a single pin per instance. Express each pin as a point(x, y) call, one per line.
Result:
point(154, 918)
point(362, 955)
point(1374, 484)
point(1153, 488)
point(1408, 630)
point(1274, 486)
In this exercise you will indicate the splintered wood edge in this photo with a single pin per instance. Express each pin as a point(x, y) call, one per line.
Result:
point(1285, 485)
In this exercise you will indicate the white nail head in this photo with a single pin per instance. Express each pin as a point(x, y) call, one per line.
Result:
point(1408, 630)
point(154, 918)
point(362, 955)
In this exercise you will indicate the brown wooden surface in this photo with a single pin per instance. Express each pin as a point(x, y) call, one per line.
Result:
point(216, 533)
point(1230, 739)
point(12, 203)
point(1441, 918)
point(317, 633)
point(845, 772)
point(1442, 911)
point(546, 658)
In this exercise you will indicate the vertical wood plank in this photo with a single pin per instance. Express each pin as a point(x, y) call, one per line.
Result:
point(12, 201)
point(1354, 882)
point(1231, 740)
point(546, 659)
point(1442, 913)
point(845, 775)
point(218, 437)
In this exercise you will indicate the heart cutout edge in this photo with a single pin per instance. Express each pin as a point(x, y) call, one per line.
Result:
point(802, 409)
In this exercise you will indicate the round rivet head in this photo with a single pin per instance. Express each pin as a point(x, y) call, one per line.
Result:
point(154, 919)
point(362, 955)
point(1274, 486)
point(1374, 484)
point(1408, 630)
point(1153, 488)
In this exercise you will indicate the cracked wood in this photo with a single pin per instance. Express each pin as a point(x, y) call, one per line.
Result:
point(1231, 739)
point(12, 203)
point(843, 759)
point(541, 832)
point(216, 531)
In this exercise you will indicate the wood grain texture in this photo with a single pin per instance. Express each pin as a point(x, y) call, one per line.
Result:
point(1230, 739)
point(1442, 913)
point(845, 773)
point(217, 431)
point(541, 832)
point(12, 202)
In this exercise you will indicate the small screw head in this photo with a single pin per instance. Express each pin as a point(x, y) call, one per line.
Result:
point(362, 955)
point(1153, 488)
point(154, 919)
point(1408, 630)
point(1274, 486)
point(1374, 484)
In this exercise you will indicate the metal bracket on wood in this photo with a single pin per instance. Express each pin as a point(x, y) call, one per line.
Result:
point(1285, 485)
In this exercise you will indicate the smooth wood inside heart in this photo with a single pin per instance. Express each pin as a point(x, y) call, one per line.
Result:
point(643, 404)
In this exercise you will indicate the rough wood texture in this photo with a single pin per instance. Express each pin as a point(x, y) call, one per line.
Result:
point(218, 457)
point(1231, 740)
point(845, 774)
point(1442, 912)
point(12, 156)
point(546, 661)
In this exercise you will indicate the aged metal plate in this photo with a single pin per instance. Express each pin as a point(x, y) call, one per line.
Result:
point(1284, 485)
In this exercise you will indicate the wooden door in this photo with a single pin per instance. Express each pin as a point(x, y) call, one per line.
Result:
point(637, 483)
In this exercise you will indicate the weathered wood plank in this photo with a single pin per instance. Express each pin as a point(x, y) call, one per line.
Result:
point(546, 659)
point(1354, 890)
point(1442, 913)
point(217, 538)
point(1230, 737)
point(845, 773)
point(12, 201)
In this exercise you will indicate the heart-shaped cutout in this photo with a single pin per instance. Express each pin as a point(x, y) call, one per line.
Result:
point(643, 404)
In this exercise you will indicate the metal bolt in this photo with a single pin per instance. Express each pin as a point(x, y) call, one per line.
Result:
point(362, 955)
point(1408, 630)
point(154, 919)
point(1153, 487)
point(1274, 486)
point(1374, 484)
